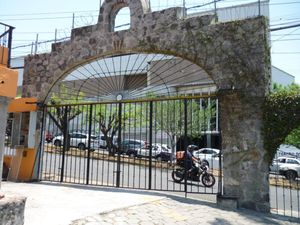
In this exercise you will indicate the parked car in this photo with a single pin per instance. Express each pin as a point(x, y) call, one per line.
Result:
point(103, 143)
point(163, 153)
point(207, 153)
point(131, 147)
point(160, 152)
point(79, 140)
point(286, 166)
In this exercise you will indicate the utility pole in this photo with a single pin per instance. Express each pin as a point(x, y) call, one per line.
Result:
point(183, 5)
point(36, 44)
point(73, 21)
point(216, 14)
point(55, 38)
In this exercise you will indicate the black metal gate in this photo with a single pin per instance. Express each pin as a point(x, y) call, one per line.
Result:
point(130, 144)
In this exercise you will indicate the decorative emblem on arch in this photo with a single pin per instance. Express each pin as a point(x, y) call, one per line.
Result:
point(110, 9)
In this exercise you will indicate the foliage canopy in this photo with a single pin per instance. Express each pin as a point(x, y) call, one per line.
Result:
point(281, 118)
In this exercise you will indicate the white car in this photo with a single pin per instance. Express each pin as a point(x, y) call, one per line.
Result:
point(79, 140)
point(162, 148)
point(286, 166)
point(103, 143)
point(160, 152)
point(207, 153)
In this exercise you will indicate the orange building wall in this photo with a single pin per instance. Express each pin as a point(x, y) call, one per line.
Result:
point(8, 82)
point(27, 163)
point(3, 56)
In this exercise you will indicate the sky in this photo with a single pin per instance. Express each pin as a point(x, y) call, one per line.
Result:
point(44, 20)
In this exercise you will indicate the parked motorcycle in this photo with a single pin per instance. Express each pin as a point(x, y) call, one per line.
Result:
point(199, 172)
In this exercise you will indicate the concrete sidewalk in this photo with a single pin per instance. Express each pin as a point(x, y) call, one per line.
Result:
point(58, 204)
point(52, 204)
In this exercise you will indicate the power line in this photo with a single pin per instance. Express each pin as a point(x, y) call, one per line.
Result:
point(286, 27)
point(285, 53)
point(48, 13)
point(295, 39)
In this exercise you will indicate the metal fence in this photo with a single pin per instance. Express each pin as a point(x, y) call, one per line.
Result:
point(129, 144)
point(285, 185)
point(5, 43)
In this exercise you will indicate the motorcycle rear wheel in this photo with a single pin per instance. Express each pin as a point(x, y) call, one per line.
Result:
point(208, 180)
point(177, 175)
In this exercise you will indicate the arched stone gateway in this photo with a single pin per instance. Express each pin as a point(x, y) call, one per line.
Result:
point(234, 54)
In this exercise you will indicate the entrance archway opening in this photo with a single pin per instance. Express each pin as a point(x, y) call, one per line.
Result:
point(119, 121)
point(132, 76)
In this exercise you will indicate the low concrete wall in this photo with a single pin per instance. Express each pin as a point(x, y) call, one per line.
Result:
point(12, 210)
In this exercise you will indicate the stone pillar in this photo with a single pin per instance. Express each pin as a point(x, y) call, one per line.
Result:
point(245, 169)
point(3, 120)
point(12, 209)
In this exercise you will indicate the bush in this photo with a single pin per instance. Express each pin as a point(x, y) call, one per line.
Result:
point(281, 117)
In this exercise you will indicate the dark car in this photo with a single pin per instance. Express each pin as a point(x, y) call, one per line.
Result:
point(131, 147)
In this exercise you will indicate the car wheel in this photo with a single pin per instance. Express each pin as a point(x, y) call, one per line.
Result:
point(290, 175)
point(57, 143)
point(81, 146)
point(159, 158)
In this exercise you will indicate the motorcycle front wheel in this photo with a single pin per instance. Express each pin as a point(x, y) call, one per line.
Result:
point(177, 175)
point(208, 180)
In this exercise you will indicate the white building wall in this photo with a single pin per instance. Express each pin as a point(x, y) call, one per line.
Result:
point(281, 77)
point(238, 12)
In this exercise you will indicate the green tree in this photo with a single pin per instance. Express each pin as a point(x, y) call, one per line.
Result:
point(281, 118)
point(108, 120)
point(169, 117)
point(61, 115)
point(294, 137)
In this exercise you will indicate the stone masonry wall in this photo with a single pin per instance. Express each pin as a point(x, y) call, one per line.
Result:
point(12, 210)
point(235, 55)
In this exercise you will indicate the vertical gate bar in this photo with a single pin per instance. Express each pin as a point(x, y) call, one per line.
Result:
point(146, 136)
point(140, 131)
point(119, 146)
point(217, 116)
point(129, 136)
point(185, 146)
point(42, 144)
point(298, 196)
point(10, 32)
point(155, 141)
point(162, 110)
point(134, 135)
point(190, 126)
point(89, 145)
point(108, 161)
point(208, 133)
point(150, 145)
point(58, 155)
point(48, 161)
point(72, 161)
point(291, 202)
point(220, 180)
point(66, 140)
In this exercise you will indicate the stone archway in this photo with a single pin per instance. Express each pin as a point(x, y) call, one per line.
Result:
point(234, 54)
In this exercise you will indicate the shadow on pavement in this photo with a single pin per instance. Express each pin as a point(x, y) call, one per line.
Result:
point(254, 216)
